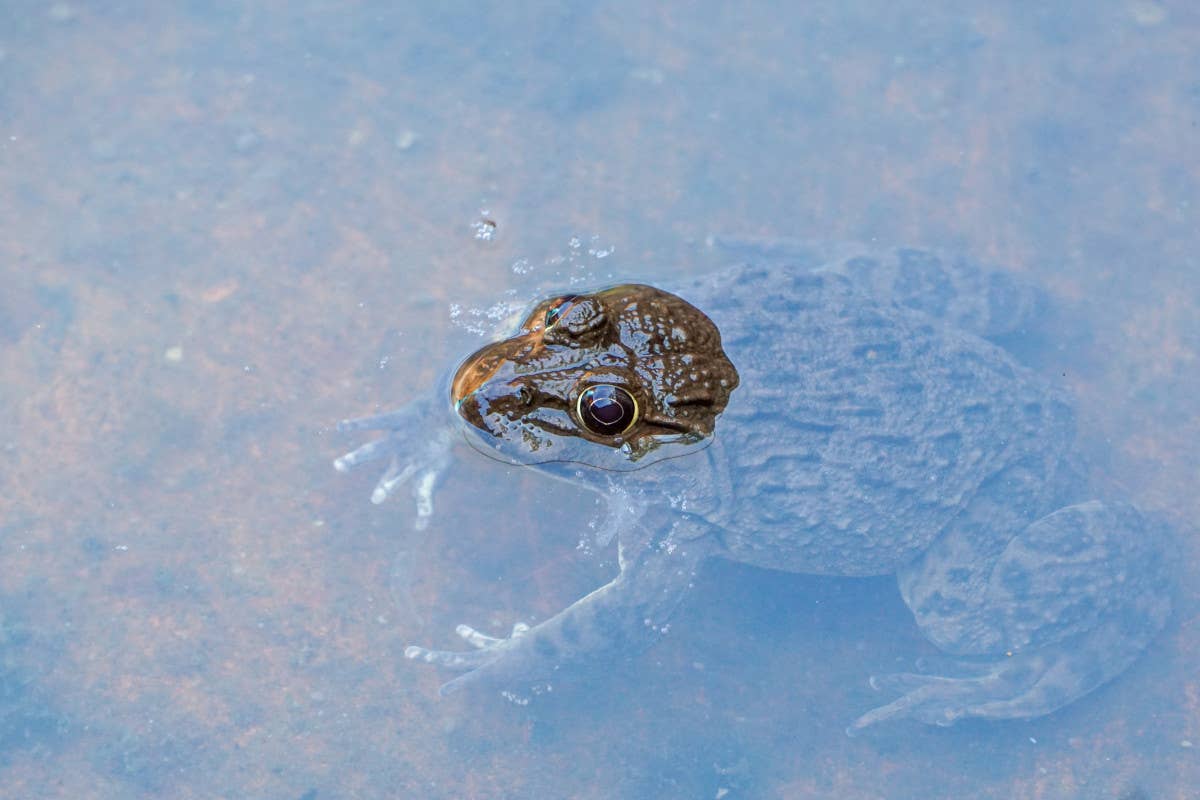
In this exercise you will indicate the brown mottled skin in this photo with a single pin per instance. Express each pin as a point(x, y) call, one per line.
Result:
point(654, 345)
point(855, 418)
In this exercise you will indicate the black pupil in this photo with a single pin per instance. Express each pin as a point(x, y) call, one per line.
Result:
point(606, 410)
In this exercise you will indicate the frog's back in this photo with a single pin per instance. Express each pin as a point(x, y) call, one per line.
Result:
point(860, 427)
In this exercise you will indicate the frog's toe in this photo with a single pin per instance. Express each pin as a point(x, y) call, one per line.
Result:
point(397, 475)
point(371, 451)
point(932, 699)
point(472, 664)
point(904, 682)
point(494, 661)
point(423, 494)
point(476, 638)
point(392, 478)
point(482, 640)
point(417, 445)
point(488, 649)
point(1019, 686)
point(450, 659)
point(376, 422)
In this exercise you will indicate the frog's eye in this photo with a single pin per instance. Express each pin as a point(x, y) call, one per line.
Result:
point(554, 313)
point(606, 410)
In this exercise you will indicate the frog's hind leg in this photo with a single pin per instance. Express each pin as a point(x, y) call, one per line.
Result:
point(1058, 610)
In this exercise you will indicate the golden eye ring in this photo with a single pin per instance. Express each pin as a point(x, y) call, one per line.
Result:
point(606, 410)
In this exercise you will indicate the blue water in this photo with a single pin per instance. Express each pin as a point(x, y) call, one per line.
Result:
point(225, 228)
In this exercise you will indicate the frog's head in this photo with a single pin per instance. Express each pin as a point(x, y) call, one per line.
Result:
point(617, 379)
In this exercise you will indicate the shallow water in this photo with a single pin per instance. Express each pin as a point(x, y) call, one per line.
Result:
point(223, 230)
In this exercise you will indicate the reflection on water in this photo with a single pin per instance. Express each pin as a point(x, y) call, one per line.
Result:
point(229, 228)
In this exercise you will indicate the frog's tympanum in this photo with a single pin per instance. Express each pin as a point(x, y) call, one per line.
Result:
point(859, 418)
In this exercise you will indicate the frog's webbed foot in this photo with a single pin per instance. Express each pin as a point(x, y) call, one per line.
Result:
point(487, 663)
point(1014, 688)
point(417, 447)
point(620, 618)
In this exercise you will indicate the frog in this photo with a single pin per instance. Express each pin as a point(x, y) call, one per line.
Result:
point(860, 416)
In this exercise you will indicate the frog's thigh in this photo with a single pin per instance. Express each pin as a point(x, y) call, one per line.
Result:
point(1060, 576)
point(947, 586)
point(1067, 603)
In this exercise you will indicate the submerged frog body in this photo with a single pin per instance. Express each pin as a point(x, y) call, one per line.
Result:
point(851, 419)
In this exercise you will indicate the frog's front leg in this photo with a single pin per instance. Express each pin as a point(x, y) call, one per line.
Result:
point(417, 448)
point(620, 618)
point(1046, 617)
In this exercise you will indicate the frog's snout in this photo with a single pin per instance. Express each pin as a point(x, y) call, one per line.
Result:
point(475, 371)
point(485, 385)
point(477, 405)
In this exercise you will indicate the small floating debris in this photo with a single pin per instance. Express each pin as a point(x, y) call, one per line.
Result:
point(484, 227)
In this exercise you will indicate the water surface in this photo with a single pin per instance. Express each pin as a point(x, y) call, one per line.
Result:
point(225, 228)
